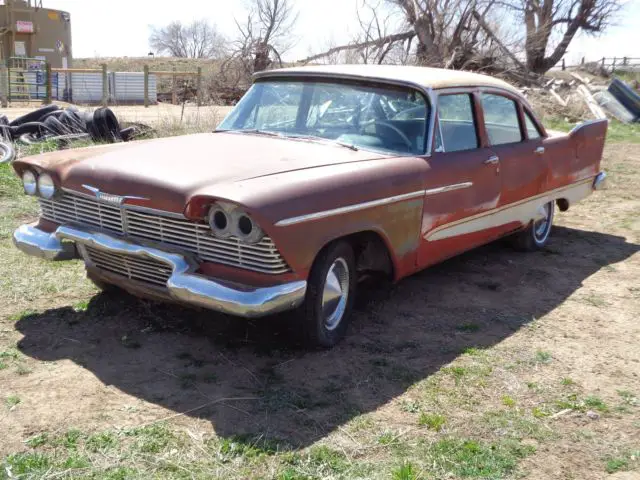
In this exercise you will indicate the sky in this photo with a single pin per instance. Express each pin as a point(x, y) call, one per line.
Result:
point(114, 28)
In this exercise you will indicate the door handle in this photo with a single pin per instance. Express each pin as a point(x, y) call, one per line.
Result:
point(539, 151)
point(492, 160)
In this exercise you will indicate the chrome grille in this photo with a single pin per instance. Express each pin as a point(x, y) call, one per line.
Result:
point(191, 236)
point(133, 267)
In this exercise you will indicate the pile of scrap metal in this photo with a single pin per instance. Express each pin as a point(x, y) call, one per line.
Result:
point(64, 126)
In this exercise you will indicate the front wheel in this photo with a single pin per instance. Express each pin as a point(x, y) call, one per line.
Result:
point(331, 289)
point(536, 235)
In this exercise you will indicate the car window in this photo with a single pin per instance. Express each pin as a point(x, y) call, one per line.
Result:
point(501, 119)
point(386, 118)
point(457, 129)
point(532, 130)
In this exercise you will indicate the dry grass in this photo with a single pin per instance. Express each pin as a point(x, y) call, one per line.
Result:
point(496, 364)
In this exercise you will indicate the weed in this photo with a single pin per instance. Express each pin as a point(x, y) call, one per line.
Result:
point(249, 446)
point(38, 440)
point(539, 412)
point(566, 381)
point(31, 464)
point(23, 370)
point(3, 365)
point(433, 421)
point(410, 406)
point(81, 306)
point(472, 458)
point(101, 442)
point(628, 397)
point(468, 327)
point(542, 356)
point(70, 439)
point(593, 401)
point(616, 465)
point(404, 472)
point(291, 474)
point(508, 401)
point(324, 457)
point(12, 401)
point(473, 351)
point(387, 439)
point(152, 438)
point(514, 424)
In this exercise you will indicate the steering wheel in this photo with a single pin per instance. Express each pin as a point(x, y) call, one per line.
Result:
point(398, 132)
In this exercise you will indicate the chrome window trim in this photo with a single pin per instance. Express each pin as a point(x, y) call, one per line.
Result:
point(348, 209)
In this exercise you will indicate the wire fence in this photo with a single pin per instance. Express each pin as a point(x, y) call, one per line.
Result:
point(609, 64)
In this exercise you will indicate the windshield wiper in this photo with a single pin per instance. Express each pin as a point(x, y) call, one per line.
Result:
point(256, 131)
point(316, 138)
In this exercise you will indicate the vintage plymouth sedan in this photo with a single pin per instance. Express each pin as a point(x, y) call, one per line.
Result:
point(319, 176)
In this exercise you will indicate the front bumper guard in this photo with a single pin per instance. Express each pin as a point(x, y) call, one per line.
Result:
point(184, 285)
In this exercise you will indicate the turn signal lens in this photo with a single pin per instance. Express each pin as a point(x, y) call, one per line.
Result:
point(46, 187)
point(29, 182)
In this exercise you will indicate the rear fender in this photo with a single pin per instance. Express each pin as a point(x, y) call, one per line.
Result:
point(577, 155)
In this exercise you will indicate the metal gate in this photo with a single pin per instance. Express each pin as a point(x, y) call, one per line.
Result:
point(27, 79)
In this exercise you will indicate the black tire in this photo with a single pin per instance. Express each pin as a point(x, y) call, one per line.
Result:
point(315, 329)
point(34, 116)
point(103, 126)
point(534, 237)
point(56, 125)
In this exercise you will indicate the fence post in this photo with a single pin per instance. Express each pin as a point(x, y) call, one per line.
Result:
point(105, 86)
point(582, 61)
point(47, 94)
point(146, 86)
point(603, 63)
point(199, 86)
point(174, 88)
point(564, 67)
point(624, 61)
point(4, 86)
point(613, 65)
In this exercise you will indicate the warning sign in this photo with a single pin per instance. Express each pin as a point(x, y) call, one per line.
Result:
point(23, 26)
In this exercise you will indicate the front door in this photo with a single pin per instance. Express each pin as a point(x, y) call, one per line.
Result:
point(463, 184)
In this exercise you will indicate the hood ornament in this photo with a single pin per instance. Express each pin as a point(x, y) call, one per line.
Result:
point(110, 198)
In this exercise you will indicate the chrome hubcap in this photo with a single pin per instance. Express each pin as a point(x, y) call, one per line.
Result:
point(335, 293)
point(542, 227)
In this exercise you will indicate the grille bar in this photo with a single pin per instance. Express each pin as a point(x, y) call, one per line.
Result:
point(132, 267)
point(191, 236)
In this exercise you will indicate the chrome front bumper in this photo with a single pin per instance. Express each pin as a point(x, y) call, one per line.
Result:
point(184, 285)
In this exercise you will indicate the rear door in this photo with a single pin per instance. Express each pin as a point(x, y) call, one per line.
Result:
point(462, 183)
point(514, 138)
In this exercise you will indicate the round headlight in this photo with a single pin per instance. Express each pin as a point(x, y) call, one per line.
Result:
point(29, 182)
point(219, 221)
point(246, 229)
point(46, 187)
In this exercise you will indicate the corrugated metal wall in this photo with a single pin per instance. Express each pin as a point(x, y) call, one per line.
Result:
point(86, 87)
point(124, 87)
point(128, 87)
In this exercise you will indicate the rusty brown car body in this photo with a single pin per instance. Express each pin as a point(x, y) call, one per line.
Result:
point(361, 169)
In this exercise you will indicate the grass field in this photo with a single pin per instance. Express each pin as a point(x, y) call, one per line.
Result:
point(493, 365)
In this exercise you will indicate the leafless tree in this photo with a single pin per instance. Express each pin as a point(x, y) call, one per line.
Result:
point(199, 39)
point(263, 37)
point(550, 26)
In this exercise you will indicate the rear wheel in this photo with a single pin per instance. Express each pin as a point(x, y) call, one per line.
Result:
point(330, 295)
point(536, 235)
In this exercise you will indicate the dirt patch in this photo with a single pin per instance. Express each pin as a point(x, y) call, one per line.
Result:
point(525, 363)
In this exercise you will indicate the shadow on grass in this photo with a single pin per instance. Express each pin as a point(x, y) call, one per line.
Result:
point(182, 359)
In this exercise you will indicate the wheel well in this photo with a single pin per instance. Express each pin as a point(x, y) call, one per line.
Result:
point(563, 204)
point(371, 252)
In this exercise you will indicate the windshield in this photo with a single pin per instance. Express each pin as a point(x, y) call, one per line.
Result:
point(378, 118)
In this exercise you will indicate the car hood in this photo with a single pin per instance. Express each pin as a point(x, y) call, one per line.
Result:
point(167, 172)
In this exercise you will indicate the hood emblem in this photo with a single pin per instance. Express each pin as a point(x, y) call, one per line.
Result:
point(110, 198)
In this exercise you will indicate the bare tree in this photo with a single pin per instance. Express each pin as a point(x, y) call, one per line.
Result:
point(550, 26)
point(263, 37)
point(199, 39)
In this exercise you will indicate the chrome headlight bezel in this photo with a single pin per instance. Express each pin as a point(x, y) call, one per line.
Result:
point(228, 220)
point(30, 182)
point(46, 186)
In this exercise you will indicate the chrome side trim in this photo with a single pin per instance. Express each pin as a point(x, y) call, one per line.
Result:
point(447, 188)
point(348, 209)
point(183, 285)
